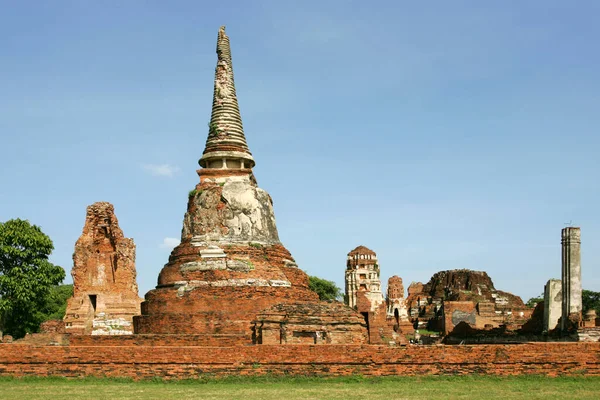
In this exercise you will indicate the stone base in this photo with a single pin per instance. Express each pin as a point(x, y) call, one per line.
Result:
point(589, 334)
point(220, 288)
point(310, 323)
point(212, 309)
point(112, 314)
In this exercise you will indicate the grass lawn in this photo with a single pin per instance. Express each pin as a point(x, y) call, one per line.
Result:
point(429, 387)
point(389, 388)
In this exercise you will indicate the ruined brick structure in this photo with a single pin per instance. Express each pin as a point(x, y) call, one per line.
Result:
point(311, 323)
point(395, 297)
point(362, 275)
point(230, 268)
point(397, 312)
point(452, 290)
point(105, 293)
point(387, 319)
point(415, 299)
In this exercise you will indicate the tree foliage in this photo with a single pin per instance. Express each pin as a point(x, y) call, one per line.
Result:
point(327, 290)
point(532, 302)
point(591, 301)
point(55, 305)
point(26, 276)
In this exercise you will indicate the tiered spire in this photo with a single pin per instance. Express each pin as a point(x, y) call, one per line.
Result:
point(226, 145)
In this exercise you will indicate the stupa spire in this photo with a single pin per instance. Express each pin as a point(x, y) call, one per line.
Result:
point(226, 146)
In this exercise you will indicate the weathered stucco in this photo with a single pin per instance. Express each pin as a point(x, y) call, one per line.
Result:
point(233, 210)
point(571, 276)
point(552, 304)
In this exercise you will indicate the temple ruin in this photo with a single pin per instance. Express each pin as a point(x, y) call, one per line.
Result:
point(455, 296)
point(232, 301)
point(230, 275)
point(105, 292)
point(387, 318)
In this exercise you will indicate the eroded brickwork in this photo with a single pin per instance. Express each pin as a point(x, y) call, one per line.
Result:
point(310, 323)
point(493, 307)
point(396, 306)
point(105, 293)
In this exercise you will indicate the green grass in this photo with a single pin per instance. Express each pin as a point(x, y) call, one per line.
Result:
point(429, 387)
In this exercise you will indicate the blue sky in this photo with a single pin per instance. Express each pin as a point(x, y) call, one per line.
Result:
point(448, 135)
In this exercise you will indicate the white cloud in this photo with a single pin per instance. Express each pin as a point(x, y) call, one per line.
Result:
point(161, 170)
point(169, 243)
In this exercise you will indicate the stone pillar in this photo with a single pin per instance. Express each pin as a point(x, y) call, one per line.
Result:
point(571, 274)
point(552, 304)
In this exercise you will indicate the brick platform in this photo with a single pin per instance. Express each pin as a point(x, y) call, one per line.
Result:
point(178, 362)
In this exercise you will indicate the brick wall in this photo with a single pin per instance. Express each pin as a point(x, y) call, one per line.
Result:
point(141, 362)
point(159, 340)
point(458, 311)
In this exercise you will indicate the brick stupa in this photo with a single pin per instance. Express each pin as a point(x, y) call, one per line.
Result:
point(230, 265)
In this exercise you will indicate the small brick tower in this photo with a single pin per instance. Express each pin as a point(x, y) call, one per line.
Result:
point(105, 292)
point(362, 275)
point(396, 305)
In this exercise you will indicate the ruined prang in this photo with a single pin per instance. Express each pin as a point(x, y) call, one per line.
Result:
point(363, 294)
point(105, 292)
point(396, 302)
point(231, 275)
point(571, 277)
point(362, 275)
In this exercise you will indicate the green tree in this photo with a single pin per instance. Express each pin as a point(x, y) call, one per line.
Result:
point(532, 302)
point(55, 305)
point(26, 276)
point(590, 300)
point(327, 290)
